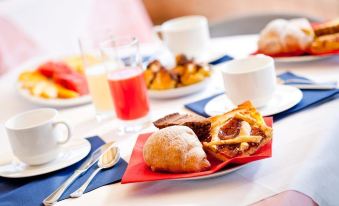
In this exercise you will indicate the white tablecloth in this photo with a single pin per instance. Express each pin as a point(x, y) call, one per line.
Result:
point(296, 164)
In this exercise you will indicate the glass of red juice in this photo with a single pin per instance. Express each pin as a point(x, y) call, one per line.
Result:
point(126, 82)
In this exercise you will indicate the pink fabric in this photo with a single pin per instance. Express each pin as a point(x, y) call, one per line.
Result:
point(121, 18)
point(15, 46)
point(289, 197)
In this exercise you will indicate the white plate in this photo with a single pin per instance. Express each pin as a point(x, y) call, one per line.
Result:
point(297, 59)
point(70, 153)
point(179, 92)
point(284, 98)
point(217, 174)
point(56, 103)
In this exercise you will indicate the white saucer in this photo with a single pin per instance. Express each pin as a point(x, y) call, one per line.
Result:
point(284, 98)
point(70, 153)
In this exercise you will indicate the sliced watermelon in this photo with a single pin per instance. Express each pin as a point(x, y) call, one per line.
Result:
point(72, 81)
point(49, 69)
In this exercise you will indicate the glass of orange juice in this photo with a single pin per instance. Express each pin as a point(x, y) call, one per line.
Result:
point(96, 76)
point(126, 82)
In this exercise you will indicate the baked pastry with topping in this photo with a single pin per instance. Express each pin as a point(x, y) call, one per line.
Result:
point(200, 125)
point(241, 131)
point(175, 149)
point(327, 28)
point(158, 78)
point(186, 72)
point(326, 43)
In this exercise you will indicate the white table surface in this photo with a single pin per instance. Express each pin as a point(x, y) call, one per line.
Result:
point(291, 145)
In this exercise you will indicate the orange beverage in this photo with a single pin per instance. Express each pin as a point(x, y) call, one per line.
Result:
point(129, 93)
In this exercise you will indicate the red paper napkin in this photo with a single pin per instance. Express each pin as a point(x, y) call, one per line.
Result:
point(138, 171)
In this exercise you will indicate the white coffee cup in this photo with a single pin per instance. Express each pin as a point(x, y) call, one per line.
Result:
point(252, 78)
point(35, 137)
point(187, 35)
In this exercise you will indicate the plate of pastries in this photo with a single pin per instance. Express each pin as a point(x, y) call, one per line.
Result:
point(55, 82)
point(188, 146)
point(185, 78)
point(298, 40)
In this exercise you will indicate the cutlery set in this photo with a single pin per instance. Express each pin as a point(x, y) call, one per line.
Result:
point(105, 156)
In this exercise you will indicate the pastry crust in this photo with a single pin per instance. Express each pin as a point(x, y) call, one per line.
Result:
point(326, 43)
point(327, 28)
point(175, 149)
point(244, 112)
point(200, 125)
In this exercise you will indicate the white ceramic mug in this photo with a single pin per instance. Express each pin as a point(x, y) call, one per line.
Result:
point(252, 78)
point(35, 137)
point(187, 35)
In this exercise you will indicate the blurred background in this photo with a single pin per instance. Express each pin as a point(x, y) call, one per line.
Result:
point(219, 10)
point(32, 27)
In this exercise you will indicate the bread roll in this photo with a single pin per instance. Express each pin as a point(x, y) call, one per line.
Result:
point(175, 149)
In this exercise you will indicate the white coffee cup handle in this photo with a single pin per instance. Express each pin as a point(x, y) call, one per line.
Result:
point(158, 32)
point(69, 133)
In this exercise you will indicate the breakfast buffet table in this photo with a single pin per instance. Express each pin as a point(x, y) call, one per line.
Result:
point(303, 145)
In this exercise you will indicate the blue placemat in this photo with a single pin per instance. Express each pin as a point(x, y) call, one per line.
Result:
point(310, 97)
point(32, 191)
point(219, 60)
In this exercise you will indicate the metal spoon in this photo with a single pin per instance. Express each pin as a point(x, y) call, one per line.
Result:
point(107, 160)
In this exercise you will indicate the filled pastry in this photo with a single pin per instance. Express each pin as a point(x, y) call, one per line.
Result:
point(241, 131)
point(327, 28)
point(175, 149)
point(200, 125)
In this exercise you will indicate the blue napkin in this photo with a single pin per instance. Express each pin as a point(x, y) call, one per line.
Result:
point(33, 190)
point(310, 97)
point(219, 60)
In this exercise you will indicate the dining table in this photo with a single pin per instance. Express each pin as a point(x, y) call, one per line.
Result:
point(284, 178)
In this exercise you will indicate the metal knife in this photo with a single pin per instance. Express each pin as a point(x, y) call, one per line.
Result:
point(53, 198)
point(308, 84)
point(315, 86)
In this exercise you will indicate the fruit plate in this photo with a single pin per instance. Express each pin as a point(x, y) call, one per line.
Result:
point(55, 103)
point(32, 64)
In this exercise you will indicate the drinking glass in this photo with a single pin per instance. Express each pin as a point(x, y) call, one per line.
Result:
point(126, 82)
point(96, 75)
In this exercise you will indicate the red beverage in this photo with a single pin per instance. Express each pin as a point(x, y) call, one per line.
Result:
point(129, 93)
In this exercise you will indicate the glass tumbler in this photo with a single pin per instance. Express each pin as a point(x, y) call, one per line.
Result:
point(126, 82)
point(96, 76)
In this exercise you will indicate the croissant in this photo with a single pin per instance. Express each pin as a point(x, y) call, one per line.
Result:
point(286, 37)
point(175, 149)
